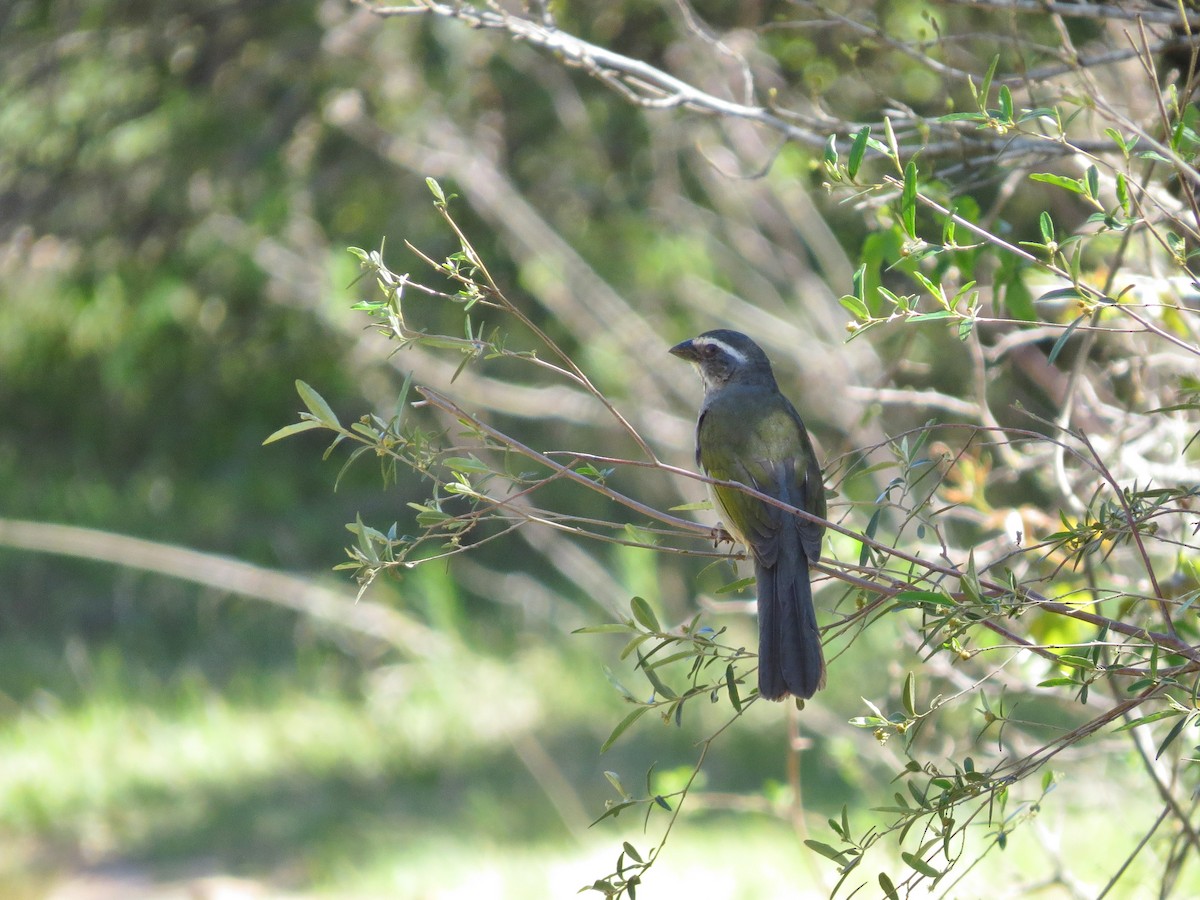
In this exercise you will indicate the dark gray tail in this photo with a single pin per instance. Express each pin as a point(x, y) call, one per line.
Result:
point(790, 660)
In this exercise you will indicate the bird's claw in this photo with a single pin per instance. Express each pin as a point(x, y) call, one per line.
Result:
point(721, 536)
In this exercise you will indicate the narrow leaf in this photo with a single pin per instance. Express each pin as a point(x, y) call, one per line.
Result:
point(316, 405)
point(908, 200)
point(1171, 735)
point(826, 851)
point(1123, 192)
point(294, 428)
point(854, 306)
point(731, 686)
point(1068, 184)
point(1046, 224)
point(909, 694)
point(652, 676)
point(615, 780)
point(644, 614)
point(623, 726)
point(986, 89)
point(857, 149)
point(893, 147)
point(608, 628)
point(1152, 717)
point(1064, 337)
point(916, 862)
point(1006, 103)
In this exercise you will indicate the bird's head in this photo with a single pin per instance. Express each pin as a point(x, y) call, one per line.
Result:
point(726, 357)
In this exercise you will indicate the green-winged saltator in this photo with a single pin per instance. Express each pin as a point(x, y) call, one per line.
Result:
point(750, 433)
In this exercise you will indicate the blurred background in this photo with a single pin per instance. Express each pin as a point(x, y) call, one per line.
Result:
point(191, 703)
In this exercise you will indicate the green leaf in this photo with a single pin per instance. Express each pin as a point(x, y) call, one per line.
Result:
point(1123, 193)
point(1068, 184)
point(986, 89)
point(609, 628)
point(1152, 717)
point(736, 586)
point(615, 810)
point(1076, 662)
point(858, 281)
point(889, 889)
point(892, 147)
point(1046, 224)
point(350, 460)
point(644, 614)
point(1064, 337)
point(623, 726)
point(1006, 103)
point(316, 405)
point(857, 149)
point(962, 117)
point(864, 553)
point(1171, 735)
point(436, 190)
point(1092, 179)
point(636, 641)
point(908, 200)
point(854, 306)
point(294, 428)
point(826, 851)
point(731, 686)
point(1066, 293)
point(923, 599)
point(615, 780)
point(1039, 112)
point(915, 861)
point(466, 464)
point(909, 694)
point(616, 683)
point(639, 535)
point(867, 721)
point(1057, 682)
point(970, 581)
point(652, 676)
point(831, 154)
point(630, 852)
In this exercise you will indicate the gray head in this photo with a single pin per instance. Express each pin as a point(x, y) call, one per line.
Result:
point(726, 357)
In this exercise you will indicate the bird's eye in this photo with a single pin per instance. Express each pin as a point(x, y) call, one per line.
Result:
point(708, 350)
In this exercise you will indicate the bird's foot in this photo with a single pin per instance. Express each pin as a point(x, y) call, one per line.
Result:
point(721, 536)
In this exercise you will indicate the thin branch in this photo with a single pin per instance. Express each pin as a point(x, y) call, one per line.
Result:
point(1132, 12)
point(224, 573)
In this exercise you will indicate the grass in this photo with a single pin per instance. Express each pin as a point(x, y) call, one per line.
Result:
point(284, 758)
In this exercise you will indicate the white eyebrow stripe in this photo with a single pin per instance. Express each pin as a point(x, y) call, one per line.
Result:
point(717, 342)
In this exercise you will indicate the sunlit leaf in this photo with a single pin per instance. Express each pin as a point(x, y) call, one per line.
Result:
point(294, 428)
point(623, 726)
point(316, 405)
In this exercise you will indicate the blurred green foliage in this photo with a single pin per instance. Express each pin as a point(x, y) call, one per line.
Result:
point(178, 184)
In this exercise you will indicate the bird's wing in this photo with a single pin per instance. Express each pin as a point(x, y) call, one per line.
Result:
point(764, 456)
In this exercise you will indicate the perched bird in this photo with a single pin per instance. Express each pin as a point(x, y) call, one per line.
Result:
point(750, 433)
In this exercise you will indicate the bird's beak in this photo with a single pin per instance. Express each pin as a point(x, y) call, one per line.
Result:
point(686, 350)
